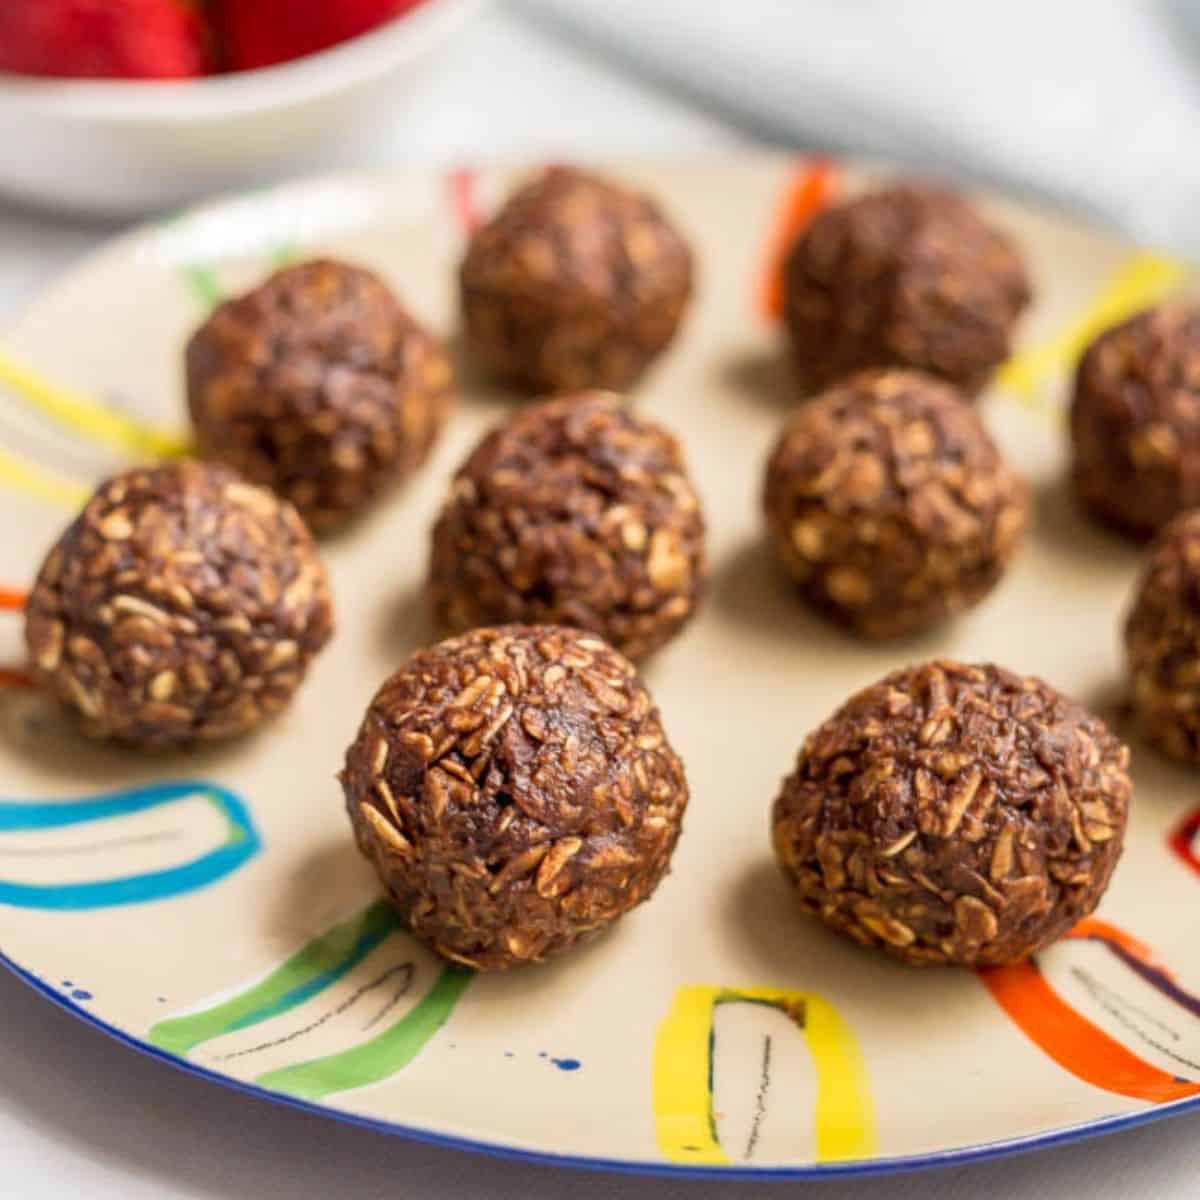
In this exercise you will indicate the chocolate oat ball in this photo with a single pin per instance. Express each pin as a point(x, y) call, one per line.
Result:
point(954, 814)
point(320, 386)
point(906, 276)
point(572, 512)
point(1135, 420)
point(182, 604)
point(889, 504)
point(1162, 640)
point(575, 283)
point(515, 791)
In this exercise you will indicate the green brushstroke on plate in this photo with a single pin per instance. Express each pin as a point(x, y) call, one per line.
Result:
point(314, 967)
point(382, 1056)
point(286, 253)
point(204, 284)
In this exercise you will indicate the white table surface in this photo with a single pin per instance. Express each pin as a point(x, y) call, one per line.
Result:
point(82, 1116)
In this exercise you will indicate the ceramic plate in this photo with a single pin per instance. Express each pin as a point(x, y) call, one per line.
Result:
point(210, 908)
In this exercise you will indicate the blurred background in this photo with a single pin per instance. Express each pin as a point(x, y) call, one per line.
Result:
point(1089, 104)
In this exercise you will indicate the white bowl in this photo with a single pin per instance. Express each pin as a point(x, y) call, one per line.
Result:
point(121, 147)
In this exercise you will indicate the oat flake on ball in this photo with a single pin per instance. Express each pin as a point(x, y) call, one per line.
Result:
point(572, 512)
point(890, 506)
point(515, 792)
point(954, 814)
point(182, 604)
point(575, 283)
point(319, 385)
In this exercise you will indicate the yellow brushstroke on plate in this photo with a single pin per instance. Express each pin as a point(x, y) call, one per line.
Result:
point(844, 1117)
point(86, 417)
point(34, 481)
point(845, 1114)
point(1140, 281)
point(682, 1096)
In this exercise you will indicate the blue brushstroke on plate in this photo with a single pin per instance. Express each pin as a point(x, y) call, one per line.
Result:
point(243, 842)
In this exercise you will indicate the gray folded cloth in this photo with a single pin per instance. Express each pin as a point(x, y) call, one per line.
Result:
point(1094, 104)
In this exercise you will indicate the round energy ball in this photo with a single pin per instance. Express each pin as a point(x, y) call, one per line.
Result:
point(905, 276)
point(954, 814)
point(318, 385)
point(515, 792)
point(1135, 420)
point(889, 504)
point(182, 605)
point(575, 283)
point(572, 512)
point(1162, 640)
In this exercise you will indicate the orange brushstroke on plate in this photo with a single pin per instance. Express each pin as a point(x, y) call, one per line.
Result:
point(1093, 929)
point(809, 190)
point(12, 600)
point(1069, 1038)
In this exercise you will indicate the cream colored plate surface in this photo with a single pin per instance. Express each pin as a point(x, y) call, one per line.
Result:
point(212, 906)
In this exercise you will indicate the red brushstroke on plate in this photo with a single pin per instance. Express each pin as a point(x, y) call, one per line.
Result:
point(13, 600)
point(1183, 838)
point(463, 198)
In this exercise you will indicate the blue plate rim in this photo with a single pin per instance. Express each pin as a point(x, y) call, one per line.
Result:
point(982, 1152)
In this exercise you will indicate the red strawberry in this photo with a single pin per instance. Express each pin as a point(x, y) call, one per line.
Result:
point(260, 33)
point(129, 39)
